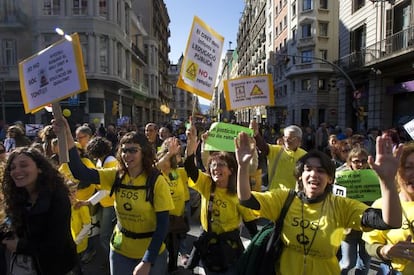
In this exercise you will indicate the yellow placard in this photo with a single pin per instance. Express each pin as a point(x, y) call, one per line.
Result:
point(201, 60)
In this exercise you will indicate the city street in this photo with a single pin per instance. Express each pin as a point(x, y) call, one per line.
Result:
point(95, 267)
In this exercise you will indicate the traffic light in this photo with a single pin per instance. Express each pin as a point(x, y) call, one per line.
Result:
point(115, 108)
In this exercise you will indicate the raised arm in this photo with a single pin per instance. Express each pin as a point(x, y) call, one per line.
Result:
point(260, 142)
point(386, 165)
point(244, 152)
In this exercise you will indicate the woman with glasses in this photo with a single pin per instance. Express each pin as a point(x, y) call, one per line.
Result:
point(142, 210)
point(353, 253)
point(396, 247)
point(221, 212)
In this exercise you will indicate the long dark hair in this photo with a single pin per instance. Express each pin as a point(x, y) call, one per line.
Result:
point(16, 198)
point(231, 164)
point(148, 154)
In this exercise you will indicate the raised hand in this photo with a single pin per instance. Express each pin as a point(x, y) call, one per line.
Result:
point(386, 162)
point(245, 147)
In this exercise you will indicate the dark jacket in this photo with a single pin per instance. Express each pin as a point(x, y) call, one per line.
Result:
point(47, 234)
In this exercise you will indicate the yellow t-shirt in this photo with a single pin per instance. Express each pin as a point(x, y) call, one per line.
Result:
point(393, 236)
point(227, 213)
point(283, 178)
point(80, 217)
point(317, 228)
point(84, 193)
point(134, 213)
point(179, 190)
point(111, 162)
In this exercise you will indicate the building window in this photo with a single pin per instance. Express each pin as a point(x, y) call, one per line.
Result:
point(322, 84)
point(294, 34)
point(80, 7)
point(358, 38)
point(323, 4)
point(285, 21)
point(357, 4)
point(51, 7)
point(306, 84)
point(307, 5)
point(103, 54)
point(323, 29)
point(307, 56)
point(294, 9)
point(323, 54)
point(103, 8)
point(306, 30)
point(83, 39)
point(8, 55)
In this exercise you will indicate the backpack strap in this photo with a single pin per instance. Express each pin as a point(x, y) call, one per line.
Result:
point(279, 222)
point(149, 185)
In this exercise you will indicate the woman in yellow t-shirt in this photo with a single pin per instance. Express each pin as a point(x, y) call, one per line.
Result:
point(396, 246)
point(177, 180)
point(315, 221)
point(137, 245)
point(221, 213)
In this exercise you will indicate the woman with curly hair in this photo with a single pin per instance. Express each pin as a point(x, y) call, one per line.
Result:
point(38, 207)
point(137, 245)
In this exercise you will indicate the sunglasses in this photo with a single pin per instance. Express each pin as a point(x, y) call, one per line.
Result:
point(131, 150)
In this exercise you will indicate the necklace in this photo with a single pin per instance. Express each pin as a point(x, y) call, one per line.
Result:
point(304, 240)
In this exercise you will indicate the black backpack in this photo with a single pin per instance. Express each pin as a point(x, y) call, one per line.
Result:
point(266, 246)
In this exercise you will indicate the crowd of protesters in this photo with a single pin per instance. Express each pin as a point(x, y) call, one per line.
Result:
point(52, 207)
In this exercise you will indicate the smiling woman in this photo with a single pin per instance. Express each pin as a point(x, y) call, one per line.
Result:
point(37, 204)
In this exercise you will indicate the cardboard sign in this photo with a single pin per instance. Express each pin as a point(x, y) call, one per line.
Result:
point(201, 60)
point(32, 130)
point(362, 185)
point(409, 127)
point(52, 74)
point(249, 91)
point(221, 136)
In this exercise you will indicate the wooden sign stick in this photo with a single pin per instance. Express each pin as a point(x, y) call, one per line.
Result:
point(62, 142)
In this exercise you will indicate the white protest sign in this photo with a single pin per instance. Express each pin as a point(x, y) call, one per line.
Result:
point(201, 60)
point(52, 74)
point(409, 127)
point(249, 91)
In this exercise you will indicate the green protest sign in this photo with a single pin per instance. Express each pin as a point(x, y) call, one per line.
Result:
point(221, 136)
point(362, 185)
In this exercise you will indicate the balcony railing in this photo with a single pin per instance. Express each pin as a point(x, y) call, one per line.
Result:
point(139, 89)
point(396, 44)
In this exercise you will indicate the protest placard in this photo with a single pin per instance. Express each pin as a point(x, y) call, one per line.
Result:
point(249, 91)
point(52, 74)
point(409, 127)
point(362, 185)
point(221, 136)
point(201, 60)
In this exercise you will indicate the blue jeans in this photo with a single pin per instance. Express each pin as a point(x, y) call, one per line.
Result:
point(354, 254)
point(105, 216)
point(121, 265)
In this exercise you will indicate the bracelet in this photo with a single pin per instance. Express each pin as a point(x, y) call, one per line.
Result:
point(383, 257)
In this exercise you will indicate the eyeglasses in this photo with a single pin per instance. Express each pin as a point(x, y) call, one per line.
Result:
point(131, 150)
point(215, 165)
point(359, 161)
point(290, 139)
point(80, 137)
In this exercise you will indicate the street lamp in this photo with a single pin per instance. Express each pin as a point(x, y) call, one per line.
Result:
point(62, 33)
